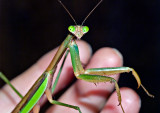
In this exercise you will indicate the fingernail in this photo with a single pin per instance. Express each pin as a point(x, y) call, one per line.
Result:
point(118, 53)
point(140, 102)
point(90, 47)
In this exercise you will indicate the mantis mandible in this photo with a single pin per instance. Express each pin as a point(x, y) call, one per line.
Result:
point(43, 85)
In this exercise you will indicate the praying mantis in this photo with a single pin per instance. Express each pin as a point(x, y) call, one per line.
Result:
point(43, 85)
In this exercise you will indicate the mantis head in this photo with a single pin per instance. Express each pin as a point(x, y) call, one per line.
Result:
point(78, 30)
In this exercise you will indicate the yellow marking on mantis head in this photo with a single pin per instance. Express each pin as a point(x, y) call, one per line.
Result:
point(78, 30)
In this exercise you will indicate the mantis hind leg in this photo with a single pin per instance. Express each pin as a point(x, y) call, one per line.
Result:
point(4, 78)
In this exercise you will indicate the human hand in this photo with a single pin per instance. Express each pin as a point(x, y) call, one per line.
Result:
point(89, 97)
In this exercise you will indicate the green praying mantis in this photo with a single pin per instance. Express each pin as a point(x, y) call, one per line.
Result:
point(43, 85)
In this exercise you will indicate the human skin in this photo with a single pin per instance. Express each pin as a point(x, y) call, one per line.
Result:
point(91, 98)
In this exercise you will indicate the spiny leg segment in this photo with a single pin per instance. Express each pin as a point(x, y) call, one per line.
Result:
point(95, 75)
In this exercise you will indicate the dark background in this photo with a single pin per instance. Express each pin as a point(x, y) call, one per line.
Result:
point(30, 28)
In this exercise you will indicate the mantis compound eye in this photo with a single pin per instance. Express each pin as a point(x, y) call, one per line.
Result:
point(71, 29)
point(85, 29)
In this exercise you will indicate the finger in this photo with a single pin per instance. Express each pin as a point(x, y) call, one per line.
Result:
point(105, 57)
point(130, 102)
point(24, 81)
point(89, 97)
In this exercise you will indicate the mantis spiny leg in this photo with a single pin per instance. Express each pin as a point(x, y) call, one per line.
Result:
point(96, 75)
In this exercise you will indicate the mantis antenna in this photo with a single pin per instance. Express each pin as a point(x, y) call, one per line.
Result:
point(67, 11)
point(91, 12)
point(85, 17)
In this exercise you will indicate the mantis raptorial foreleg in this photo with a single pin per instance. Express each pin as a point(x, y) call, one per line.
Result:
point(95, 75)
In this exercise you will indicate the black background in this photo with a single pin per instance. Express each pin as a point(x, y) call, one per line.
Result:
point(29, 29)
